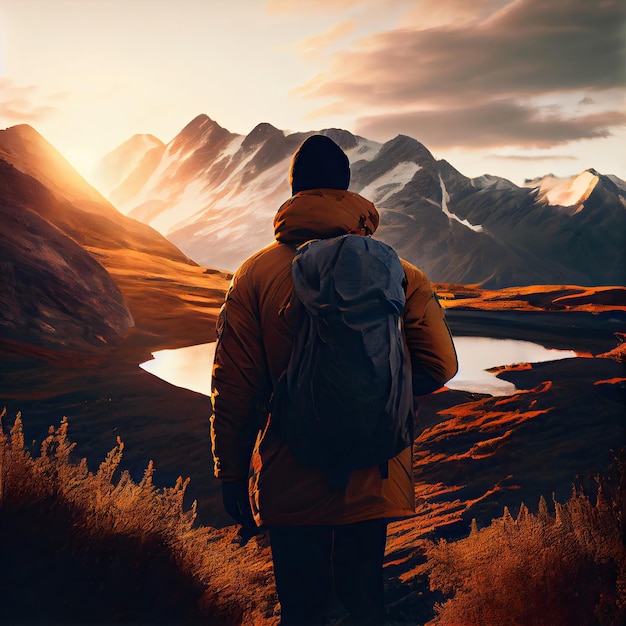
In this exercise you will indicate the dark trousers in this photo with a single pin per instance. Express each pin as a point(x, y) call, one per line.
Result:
point(310, 562)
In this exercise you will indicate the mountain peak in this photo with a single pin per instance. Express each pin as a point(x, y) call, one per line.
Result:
point(199, 126)
point(199, 131)
point(343, 138)
point(406, 148)
point(30, 153)
point(568, 191)
point(23, 130)
point(490, 181)
point(142, 141)
point(260, 134)
point(201, 120)
point(127, 156)
point(264, 128)
point(14, 138)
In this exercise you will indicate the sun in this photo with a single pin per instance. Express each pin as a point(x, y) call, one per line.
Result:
point(83, 161)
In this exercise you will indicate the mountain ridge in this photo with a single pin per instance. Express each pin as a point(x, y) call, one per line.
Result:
point(214, 194)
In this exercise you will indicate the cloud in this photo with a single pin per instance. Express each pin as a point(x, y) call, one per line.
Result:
point(312, 6)
point(17, 103)
point(492, 124)
point(510, 55)
point(522, 158)
point(313, 46)
point(476, 71)
point(437, 13)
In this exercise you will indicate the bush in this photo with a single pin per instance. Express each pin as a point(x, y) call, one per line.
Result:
point(559, 568)
point(79, 547)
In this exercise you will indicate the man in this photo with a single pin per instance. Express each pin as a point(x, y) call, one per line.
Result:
point(322, 538)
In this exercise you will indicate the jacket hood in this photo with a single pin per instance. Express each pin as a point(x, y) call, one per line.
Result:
point(322, 213)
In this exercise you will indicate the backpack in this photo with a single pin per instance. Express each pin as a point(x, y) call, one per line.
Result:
point(345, 400)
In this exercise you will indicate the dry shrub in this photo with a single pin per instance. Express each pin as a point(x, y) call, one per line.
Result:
point(85, 547)
point(559, 568)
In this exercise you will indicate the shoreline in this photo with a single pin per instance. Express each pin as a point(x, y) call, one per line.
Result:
point(573, 330)
point(114, 396)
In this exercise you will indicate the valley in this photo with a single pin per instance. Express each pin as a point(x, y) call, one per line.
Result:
point(169, 425)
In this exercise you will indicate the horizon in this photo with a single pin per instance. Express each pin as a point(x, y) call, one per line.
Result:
point(522, 183)
point(506, 88)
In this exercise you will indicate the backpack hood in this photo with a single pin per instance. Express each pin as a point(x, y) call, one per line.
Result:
point(322, 213)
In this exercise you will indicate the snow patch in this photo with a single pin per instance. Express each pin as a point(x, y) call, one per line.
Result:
point(231, 148)
point(445, 197)
point(565, 192)
point(192, 201)
point(386, 185)
point(148, 190)
point(365, 150)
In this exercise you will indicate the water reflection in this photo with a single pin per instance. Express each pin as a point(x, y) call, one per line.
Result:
point(191, 367)
point(477, 354)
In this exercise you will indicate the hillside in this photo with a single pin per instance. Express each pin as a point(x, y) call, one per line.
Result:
point(87, 294)
point(162, 288)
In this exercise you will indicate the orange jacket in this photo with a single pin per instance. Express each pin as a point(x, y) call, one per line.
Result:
point(254, 344)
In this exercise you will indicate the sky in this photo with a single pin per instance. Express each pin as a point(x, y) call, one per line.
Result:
point(513, 88)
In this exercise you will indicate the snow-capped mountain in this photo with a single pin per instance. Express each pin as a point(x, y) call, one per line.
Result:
point(111, 172)
point(214, 194)
point(565, 192)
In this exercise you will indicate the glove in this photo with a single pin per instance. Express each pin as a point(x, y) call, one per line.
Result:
point(237, 502)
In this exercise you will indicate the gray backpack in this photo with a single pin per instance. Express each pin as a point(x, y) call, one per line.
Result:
point(345, 400)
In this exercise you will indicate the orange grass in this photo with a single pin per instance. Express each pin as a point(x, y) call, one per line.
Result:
point(143, 560)
point(115, 550)
point(619, 352)
point(561, 568)
point(533, 298)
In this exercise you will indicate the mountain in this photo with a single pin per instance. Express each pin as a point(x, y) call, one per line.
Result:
point(565, 192)
point(54, 294)
point(78, 275)
point(129, 156)
point(214, 194)
point(576, 222)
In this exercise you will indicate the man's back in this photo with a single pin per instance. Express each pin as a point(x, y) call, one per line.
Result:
point(324, 536)
point(253, 352)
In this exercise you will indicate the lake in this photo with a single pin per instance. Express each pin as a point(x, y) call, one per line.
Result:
point(190, 367)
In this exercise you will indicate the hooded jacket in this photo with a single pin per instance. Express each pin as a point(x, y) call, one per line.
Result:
point(254, 344)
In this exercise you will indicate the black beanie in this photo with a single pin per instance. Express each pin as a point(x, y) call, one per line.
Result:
point(319, 163)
